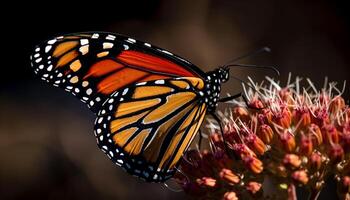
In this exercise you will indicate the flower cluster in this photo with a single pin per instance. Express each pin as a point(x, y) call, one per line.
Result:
point(275, 139)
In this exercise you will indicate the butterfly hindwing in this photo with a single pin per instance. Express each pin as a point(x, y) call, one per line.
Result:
point(146, 127)
point(92, 66)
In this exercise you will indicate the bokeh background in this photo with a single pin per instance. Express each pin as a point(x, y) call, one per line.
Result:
point(47, 146)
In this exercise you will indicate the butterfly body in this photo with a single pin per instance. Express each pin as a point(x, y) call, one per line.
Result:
point(149, 102)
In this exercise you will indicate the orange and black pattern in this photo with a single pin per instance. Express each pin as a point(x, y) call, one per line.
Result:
point(150, 125)
point(149, 102)
point(91, 66)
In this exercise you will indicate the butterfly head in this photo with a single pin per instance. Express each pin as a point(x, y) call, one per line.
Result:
point(223, 74)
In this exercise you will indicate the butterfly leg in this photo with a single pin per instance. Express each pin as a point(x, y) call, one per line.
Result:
point(199, 144)
point(227, 149)
point(226, 99)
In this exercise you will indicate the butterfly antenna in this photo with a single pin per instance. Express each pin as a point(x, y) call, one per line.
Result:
point(253, 53)
point(255, 66)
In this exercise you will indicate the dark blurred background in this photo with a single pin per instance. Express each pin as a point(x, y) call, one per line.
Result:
point(47, 146)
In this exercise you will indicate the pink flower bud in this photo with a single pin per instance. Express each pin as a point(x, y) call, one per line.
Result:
point(302, 117)
point(316, 133)
point(321, 117)
point(291, 160)
point(330, 134)
point(253, 163)
point(256, 104)
point(306, 146)
point(241, 113)
point(287, 141)
point(265, 117)
point(255, 144)
point(206, 181)
point(283, 118)
point(229, 176)
point(300, 176)
point(242, 150)
point(336, 153)
point(230, 196)
point(253, 187)
point(265, 133)
point(286, 96)
point(315, 161)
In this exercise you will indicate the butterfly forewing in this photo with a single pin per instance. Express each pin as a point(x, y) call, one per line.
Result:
point(92, 66)
point(146, 127)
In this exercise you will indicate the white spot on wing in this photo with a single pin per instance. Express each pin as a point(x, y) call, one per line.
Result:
point(38, 60)
point(110, 37)
point(84, 41)
point(142, 83)
point(89, 91)
point(84, 49)
point(107, 45)
point(49, 68)
point(159, 82)
point(131, 40)
point(48, 48)
point(95, 36)
point(167, 52)
point(52, 41)
point(125, 91)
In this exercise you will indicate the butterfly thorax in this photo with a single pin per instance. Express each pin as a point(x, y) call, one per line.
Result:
point(212, 89)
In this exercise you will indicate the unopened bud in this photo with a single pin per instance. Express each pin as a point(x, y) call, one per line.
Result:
point(291, 160)
point(241, 113)
point(315, 161)
point(287, 140)
point(256, 104)
point(316, 133)
point(306, 146)
point(330, 134)
point(265, 133)
point(206, 181)
point(253, 163)
point(255, 144)
point(300, 176)
point(230, 196)
point(253, 187)
point(302, 117)
point(336, 153)
point(242, 150)
point(283, 118)
point(229, 176)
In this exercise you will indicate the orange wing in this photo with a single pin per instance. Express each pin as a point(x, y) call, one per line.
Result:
point(92, 66)
point(146, 127)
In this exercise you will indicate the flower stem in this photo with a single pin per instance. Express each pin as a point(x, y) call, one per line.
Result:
point(314, 194)
point(292, 195)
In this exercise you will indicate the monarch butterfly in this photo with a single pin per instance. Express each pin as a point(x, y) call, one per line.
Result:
point(149, 102)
